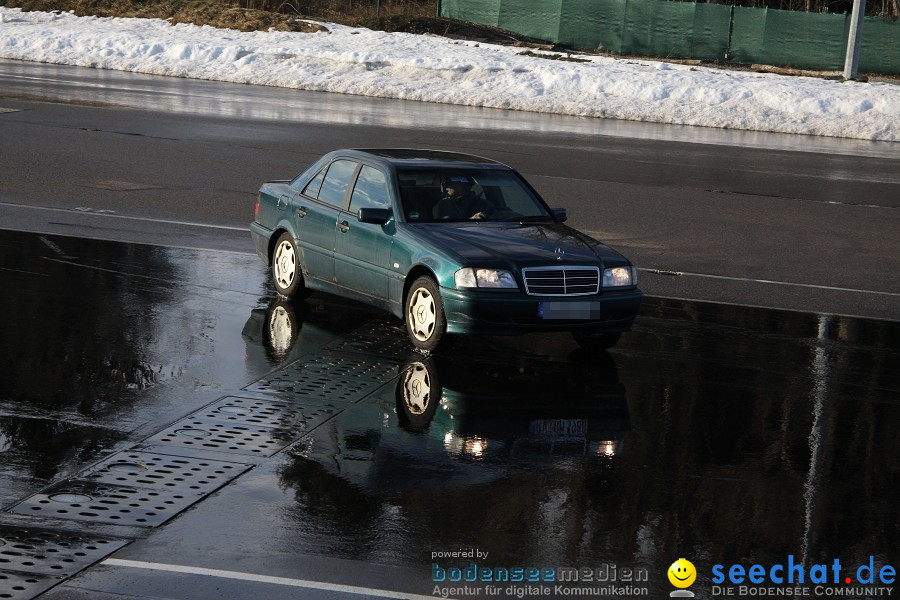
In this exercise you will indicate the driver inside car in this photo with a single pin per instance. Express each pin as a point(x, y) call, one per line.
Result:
point(460, 202)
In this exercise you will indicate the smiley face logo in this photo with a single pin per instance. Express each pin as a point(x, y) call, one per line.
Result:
point(682, 573)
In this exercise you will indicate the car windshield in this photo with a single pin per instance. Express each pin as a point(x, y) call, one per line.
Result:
point(453, 195)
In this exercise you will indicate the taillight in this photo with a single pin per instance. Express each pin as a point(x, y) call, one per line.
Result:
point(256, 208)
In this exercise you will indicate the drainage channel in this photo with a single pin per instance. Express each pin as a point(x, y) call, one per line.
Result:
point(33, 559)
point(376, 337)
point(336, 377)
point(144, 489)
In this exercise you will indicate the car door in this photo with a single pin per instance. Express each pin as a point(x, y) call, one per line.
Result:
point(316, 214)
point(362, 250)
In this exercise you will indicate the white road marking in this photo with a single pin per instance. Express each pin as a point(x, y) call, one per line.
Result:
point(665, 272)
point(301, 583)
point(127, 274)
point(83, 211)
point(124, 241)
point(803, 311)
point(644, 269)
point(25, 272)
point(51, 245)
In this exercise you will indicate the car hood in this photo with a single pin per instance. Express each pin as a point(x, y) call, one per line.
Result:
point(522, 244)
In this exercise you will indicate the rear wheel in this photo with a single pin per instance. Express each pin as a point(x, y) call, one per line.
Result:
point(282, 327)
point(596, 341)
point(286, 273)
point(424, 312)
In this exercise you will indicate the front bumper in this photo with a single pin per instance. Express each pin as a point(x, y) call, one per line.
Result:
point(512, 313)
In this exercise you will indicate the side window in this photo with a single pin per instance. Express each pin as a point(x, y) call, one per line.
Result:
point(371, 190)
point(312, 188)
point(336, 181)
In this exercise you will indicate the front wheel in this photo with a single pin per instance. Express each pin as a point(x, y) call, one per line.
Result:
point(286, 274)
point(596, 341)
point(418, 394)
point(424, 312)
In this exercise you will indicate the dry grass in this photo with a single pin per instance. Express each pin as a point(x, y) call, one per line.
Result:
point(361, 13)
point(384, 15)
point(563, 57)
point(198, 12)
point(411, 16)
point(250, 15)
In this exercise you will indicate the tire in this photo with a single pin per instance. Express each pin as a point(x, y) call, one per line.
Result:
point(282, 327)
point(424, 315)
point(418, 394)
point(286, 273)
point(596, 341)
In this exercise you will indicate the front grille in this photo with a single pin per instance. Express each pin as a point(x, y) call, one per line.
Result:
point(561, 281)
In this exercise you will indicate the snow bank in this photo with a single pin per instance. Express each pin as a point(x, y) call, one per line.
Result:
point(429, 68)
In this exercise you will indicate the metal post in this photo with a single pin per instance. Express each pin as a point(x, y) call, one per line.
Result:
point(377, 8)
point(438, 8)
point(851, 63)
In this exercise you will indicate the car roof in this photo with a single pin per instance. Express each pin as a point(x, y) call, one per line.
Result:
point(412, 157)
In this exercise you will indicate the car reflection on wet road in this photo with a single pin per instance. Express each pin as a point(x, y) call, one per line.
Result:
point(717, 433)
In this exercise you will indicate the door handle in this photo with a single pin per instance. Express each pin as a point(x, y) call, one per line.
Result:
point(301, 212)
point(344, 226)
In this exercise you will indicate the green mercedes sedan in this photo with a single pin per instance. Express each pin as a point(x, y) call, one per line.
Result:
point(450, 243)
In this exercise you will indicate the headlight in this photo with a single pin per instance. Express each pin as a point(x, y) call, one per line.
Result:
point(619, 276)
point(484, 278)
point(472, 446)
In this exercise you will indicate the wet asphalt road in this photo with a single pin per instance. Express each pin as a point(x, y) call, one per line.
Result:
point(792, 222)
point(164, 419)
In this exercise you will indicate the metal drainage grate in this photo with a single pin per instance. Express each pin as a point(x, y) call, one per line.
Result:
point(143, 469)
point(57, 553)
point(18, 586)
point(339, 378)
point(103, 503)
point(206, 434)
point(381, 328)
point(283, 416)
point(376, 337)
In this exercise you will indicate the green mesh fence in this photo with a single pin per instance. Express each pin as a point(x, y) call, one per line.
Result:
point(710, 34)
point(880, 52)
point(592, 24)
point(790, 38)
point(676, 29)
point(474, 11)
point(688, 30)
point(535, 19)
point(652, 28)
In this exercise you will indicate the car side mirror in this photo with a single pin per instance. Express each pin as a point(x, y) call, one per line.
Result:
point(560, 214)
point(376, 216)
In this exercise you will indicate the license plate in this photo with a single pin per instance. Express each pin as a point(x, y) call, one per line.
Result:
point(569, 310)
point(559, 428)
